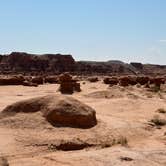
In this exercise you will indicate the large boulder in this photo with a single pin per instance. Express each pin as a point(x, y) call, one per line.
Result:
point(124, 81)
point(66, 88)
point(65, 77)
point(57, 110)
point(51, 79)
point(37, 80)
point(71, 112)
point(28, 83)
point(12, 80)
point(142, 80)
point(111, 80)
point(106, 80)
point(132, 80)
point(127, 80)
point(157, 81)
point(93, 79)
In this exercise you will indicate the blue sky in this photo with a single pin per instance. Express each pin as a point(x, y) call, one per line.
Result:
point(127, 30)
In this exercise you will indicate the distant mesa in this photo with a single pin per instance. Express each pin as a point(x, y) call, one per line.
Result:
point(24, 63)
point(137, 65)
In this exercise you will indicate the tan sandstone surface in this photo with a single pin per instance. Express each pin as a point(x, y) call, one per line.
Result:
point(123, 135)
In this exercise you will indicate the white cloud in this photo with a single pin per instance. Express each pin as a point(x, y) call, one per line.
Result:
point(162, 41)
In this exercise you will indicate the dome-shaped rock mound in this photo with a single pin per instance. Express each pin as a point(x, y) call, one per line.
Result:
point(58, 110)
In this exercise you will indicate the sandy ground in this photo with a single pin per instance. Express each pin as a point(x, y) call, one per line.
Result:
point(121, 113)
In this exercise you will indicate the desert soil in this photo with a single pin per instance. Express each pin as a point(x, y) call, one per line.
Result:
point(123, 114)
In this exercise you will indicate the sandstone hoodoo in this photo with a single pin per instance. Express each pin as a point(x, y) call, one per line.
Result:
point(51, 79)
point(124, 81)
point(157, 81)
point(28, 83)
point(57, 110)
point(142, 80)
point(93, 79)
point(12, 80)
point(127, 80)
point(67, 84)
point(111, 80)
point(37, 80)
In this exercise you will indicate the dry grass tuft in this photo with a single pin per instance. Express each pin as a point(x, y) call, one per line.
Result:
point(158, 121)
point(161, 110)
point(122, 141)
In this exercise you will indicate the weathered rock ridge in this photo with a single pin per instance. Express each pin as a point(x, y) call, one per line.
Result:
point(20, 62)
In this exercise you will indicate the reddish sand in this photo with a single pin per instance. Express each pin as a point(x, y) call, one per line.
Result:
point(122, 113)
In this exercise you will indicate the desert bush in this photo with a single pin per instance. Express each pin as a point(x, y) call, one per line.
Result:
point(122, 141)
point(126, 158)
point(158, 121)
point(93, 79)
point(155, 88)
point(161, 110)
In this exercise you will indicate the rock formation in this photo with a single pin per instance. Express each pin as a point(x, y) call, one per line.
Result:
point(67, 84)
point(51, 79)
point(12, 80)
point(22, 62)
point(111, 80)
point(57, 110)
point(50, 64)
point(93, 79)
point(37, 80)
